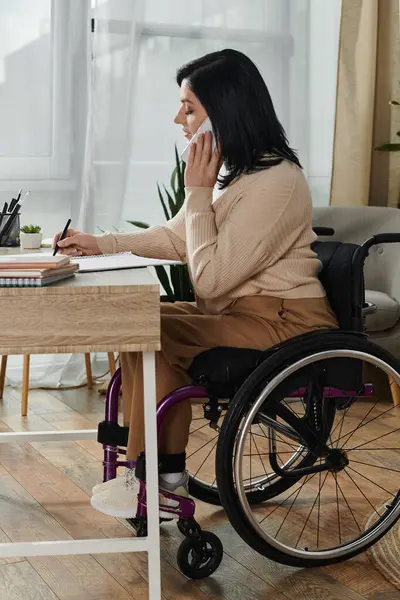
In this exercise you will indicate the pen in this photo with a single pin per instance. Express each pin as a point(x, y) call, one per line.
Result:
point(3, 212)
point(15, 201)
point(18, 200)
point(62, 236)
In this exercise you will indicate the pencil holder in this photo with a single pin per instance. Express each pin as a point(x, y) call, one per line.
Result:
point(9, 230)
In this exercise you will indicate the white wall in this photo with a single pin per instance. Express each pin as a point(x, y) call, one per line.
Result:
point(49, 209)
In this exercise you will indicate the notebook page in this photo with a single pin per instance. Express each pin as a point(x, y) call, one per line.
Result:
point(88, 264)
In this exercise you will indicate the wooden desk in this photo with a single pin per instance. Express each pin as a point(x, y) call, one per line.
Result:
point(111, 311)
point(91, 312)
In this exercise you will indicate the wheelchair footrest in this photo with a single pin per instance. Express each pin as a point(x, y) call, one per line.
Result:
point(112, 434)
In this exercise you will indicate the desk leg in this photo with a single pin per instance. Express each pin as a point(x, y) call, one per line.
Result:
point(25, 386)
point(89, 377)
point(3, 373)
point(111, 362)
point(153, 524)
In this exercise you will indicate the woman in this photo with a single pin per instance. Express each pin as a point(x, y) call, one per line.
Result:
point(245, 231)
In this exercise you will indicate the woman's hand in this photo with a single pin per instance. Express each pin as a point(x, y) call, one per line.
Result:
point(77, 243)
point(203, 163)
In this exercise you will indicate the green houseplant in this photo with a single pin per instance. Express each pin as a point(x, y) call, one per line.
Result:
point(31, 229)
point(31, 236)
point(179, 287)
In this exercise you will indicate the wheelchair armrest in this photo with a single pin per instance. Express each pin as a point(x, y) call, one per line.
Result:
point(381, 238)
point(324, 231)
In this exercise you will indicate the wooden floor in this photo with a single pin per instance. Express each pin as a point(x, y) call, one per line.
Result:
point(44, 495)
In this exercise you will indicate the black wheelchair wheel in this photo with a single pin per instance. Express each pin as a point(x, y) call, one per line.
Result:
point(349, 497)
point(200, 557)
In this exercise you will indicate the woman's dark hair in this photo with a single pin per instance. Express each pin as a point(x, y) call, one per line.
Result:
point(237, 101)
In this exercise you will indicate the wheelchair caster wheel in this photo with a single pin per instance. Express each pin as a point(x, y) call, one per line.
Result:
point(199, 557)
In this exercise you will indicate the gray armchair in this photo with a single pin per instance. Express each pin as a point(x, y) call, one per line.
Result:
point(382, 268)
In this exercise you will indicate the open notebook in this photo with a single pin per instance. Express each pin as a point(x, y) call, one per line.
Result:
point(112, 262)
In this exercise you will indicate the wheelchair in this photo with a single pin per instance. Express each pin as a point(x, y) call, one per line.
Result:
point(295, 443)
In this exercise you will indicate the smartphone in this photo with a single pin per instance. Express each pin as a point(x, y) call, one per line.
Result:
point(204, 127)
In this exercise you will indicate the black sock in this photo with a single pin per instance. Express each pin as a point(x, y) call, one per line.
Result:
point(171, 463)
point(167, 463)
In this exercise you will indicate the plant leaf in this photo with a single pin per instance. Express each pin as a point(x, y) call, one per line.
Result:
point(398, 133)
point(188, 285)
point(174, 178)
point(180, 166)
point(389, 148)
point(171, 203)
point(139, 224)
point(189, 294)
point(176, 284)
point(30, 229)
point(394, 103)
point(164, 280)
point(180, 191)
point(177, 162)
point(181, 283)
point(180, 199)
point(163, 203)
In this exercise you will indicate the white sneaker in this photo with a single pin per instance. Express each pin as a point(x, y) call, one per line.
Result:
point(116, 482)
point(121, 501)
point(118, 500)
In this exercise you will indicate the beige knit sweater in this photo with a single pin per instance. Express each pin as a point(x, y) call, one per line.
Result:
point(253, 239)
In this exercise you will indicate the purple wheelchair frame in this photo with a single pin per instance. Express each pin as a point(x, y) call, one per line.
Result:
point(185, 506)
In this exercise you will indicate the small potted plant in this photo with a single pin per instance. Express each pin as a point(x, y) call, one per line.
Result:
point(31, 237)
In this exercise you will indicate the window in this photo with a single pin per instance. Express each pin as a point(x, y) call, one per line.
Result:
point(35, 89)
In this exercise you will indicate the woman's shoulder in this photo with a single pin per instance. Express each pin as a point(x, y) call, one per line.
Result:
point(285, 176)
point(279, 183)
point(285, 170)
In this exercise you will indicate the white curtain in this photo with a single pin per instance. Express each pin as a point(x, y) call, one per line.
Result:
point(122, 97)
point(115, 52)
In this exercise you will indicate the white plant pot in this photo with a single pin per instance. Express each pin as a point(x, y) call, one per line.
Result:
point(30, 241)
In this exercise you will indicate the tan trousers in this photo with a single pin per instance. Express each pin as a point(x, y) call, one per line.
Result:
point(255, 322)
